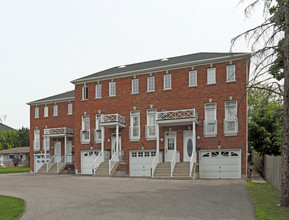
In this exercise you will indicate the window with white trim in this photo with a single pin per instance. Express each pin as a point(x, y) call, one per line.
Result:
point(134, 134)
point(46, 143)
point(97, 131)
point(36, 112)
point(84, 92)
point(151, 124)
point(69, 109)
point(231, 73)
point(134, 86)
point(211, 75)
point(231, 120)
point(85, 129)
point(210, 123)
point(45, 111)
point(151, 84)
point(112, 89)
point(167, 81)
point(193, 78)
point(36, 141)
point(98, 91)
point(55, 110)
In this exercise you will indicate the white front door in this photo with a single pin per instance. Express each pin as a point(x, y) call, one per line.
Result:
point(113, 143)
point(68, 151)
point(188, 145)
point(170, 145)
point(57, 151)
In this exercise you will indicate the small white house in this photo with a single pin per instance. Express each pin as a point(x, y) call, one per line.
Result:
point(7, 156)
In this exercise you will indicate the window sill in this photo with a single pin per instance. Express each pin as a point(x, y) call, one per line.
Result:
point(211, 84)
point(84, 142)
point(36, 117)
point(97, 97)
point(55, 115)
point(233, 81)
point(167, 89)
point(134, 140)
point(83, 100)
point(136, 93)
point(45, 116)
point(111, 96)
point(69, 114)
point(151, 139)
point(231, 134)
point(192, 86)
point(97, 142)
point(210, 135)
point(150, 91)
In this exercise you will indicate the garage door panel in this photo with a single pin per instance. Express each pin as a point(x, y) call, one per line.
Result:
point(141, 162)
point(87, 158)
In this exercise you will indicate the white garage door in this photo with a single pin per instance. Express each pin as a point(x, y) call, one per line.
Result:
point(220, 164)
point(141, 162)
point(87, 158)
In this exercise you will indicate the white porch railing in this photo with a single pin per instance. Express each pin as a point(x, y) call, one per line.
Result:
point(50, 163)
point(151, 132)
point(61, 162)
point(177, 114)
point(193, 160)
point(156, 160)
point(98, 160)
point(173, 163)
point(58, 131)
point(114, 159)
point(112, 118)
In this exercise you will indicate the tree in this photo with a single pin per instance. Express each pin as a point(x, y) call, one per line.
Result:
point(270, 49)
point(10, 139)
point(265, 126)
point(23, 136)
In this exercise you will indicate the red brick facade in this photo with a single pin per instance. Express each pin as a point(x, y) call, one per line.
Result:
point(179, 97)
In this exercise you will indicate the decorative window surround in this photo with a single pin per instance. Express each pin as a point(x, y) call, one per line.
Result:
point(45, 111)
point(112, 89)
point(98, 91)
point(134, 129)
point(97, 131)
point(36, 141)
point(210, 123)
point(211, 76)
point(69, 109)
point(135, 86)
point(231, 73)
point(151, 124)
point(151, 84)
point(231, 120)
point(85, 132)
point(46, 143)
point(55, 110)
point(84, 92)
point(193, 78)
point(167, 81)
point(36, 112)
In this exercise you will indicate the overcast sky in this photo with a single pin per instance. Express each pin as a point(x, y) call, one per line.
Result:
point(44, 44)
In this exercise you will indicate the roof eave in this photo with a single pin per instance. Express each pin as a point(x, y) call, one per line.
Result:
point(162, 68)
point(50, 101)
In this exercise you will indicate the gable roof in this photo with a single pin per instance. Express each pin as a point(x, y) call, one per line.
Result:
point(162, 64)
point(6, 128)
point(66, 96)
point(15, 150)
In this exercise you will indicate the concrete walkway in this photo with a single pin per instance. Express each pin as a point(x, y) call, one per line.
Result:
point(84, 197)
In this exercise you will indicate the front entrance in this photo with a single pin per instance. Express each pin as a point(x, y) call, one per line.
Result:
point(170, 145)
point(68, 151)
point(57, 151)
point(113, 143)
point(188, 145)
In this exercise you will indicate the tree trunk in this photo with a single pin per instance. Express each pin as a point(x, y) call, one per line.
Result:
point(284, 201)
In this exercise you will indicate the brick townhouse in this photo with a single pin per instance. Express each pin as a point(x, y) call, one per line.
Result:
point(182, 116)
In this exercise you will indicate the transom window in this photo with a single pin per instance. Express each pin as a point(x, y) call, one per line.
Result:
point(211, 75)
point(55, 110)
point(193, 78)
point(231, 73)
point(112, 89)
point(167, 81)
point(151, 84)
point(210, 123)
point(45, 111)
point(36, 112)
point(98, 91)
point(134, 86)
point(84, 92)
point(69, 109)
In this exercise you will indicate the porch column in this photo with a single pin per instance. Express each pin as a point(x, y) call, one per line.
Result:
point(116, 139)
point(45, 155)
point(158, 138)
point(102, 142)
point(194, 136)
point(65, 153)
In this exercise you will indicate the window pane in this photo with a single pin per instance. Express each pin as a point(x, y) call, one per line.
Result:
point(98, 91)
point(211, 75)
point(231, 73)
point(151, 83)
point(193, 78)
point(167, 81)
point(112, 89)
point(135, 86)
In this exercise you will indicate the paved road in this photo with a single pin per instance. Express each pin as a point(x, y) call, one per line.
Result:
point(84, 197)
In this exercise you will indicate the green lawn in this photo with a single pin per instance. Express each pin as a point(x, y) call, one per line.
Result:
point(265, 199)
point(14, 170)
point(11, 208)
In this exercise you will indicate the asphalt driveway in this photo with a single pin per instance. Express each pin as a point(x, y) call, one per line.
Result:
point(84, 197)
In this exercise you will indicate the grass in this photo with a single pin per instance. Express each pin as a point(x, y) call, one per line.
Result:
point(265, 199)
point(14, 170)
point(11, 208)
